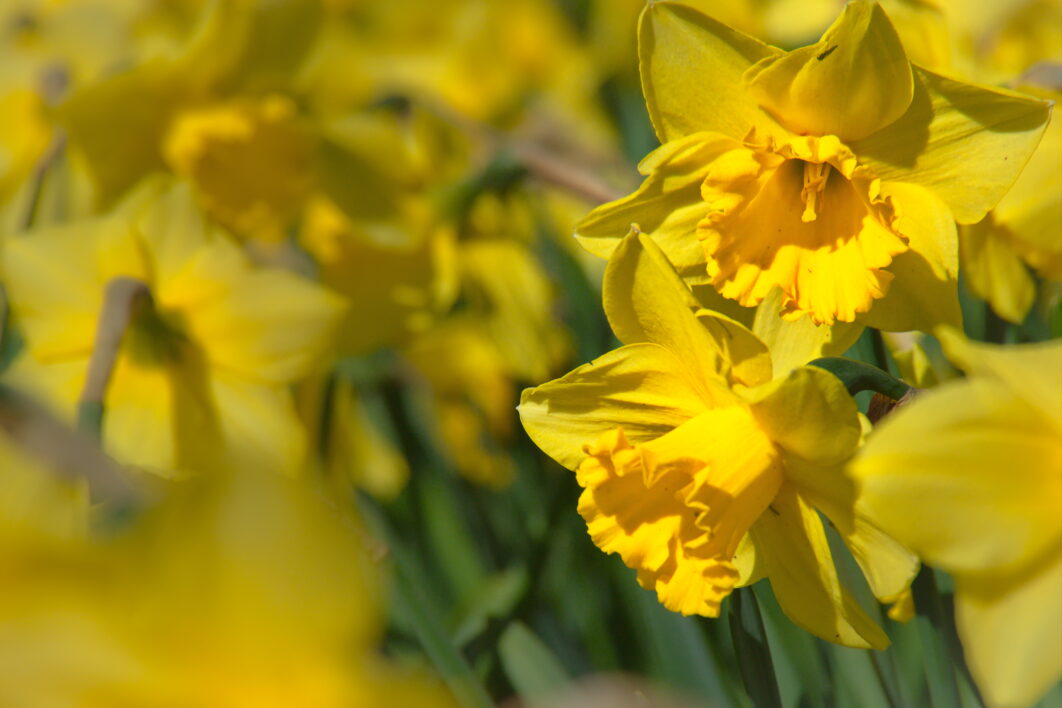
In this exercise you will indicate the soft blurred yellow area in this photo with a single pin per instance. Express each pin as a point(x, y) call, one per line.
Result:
point(276, 259)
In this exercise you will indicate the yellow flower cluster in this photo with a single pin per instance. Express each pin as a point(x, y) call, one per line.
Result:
point(822, 186)
point(266, 255)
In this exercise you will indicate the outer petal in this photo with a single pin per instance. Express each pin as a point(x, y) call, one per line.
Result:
point(966, 477)
point(667, 206)
point(808, 414)
point(259, 425)
point(793, 343)
point(792, 545)
point(1032, 371)
point(691, 69)
point(853, 82)
point(966, 143)
point(642, 388)
point(994, 271)
point(645, 300)
point(924, 290)
point(271, 327)
point(814, 421)
point(55, 280)
point(1012, 633)
point(122, 146)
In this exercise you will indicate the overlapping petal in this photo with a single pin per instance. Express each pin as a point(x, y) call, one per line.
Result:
point(854, 81)
point(690, 65)
point(949, 126)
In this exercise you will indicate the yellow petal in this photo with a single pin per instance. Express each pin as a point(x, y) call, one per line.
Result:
point(924, 288)
point(793, 343)
point(886, 564)
point(808, 414)
point(389, 286)
point(1011, 632)
point(749, 357)
point(504, 280)
point(667, 206)
point(272, 326)
point(642, 388)
point(121, 146)
point(994, 271)
point(966, 143)
point(139, 422)
point(691, 67)
point(853, 82)
point(966, 477)
point(1032, 211)
point(259, 426)
point(1033, 372)
point(792, 545)
point(645, 300)
point(55, 279)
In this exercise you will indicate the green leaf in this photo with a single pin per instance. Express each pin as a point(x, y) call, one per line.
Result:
point(532, 668)
point(752, 649)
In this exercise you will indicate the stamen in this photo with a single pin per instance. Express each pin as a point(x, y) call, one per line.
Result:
point(815, 176)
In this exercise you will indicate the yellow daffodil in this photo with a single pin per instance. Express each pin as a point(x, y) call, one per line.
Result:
point(355, 438)
point(215, 112)
point(238, 590)
point(470, 391)
point(701, 471)
point(201, 376)
point(831, 173)
point(969, 477)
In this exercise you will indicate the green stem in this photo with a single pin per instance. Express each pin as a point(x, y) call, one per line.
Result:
point(858, 376)
point(753, 653)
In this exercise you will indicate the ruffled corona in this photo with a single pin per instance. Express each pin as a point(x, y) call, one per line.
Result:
point(803, 216)
point(249, 160)
point(676, 508)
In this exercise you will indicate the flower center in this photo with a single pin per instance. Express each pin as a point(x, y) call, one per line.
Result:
point(154, 338)
point(250, 162)
point(815, 176)
point(803, 217)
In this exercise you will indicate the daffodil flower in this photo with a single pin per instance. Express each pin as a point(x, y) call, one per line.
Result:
point(239, 590)
point(701, 471)
point(830, 173)
point(201, 378)
point(969, 477)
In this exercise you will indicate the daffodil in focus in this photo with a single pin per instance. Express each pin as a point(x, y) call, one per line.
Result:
point(832, 173)
point(969, 477)
point(701, 471)
point(201, 377)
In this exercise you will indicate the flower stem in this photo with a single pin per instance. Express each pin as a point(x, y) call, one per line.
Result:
point(122, 295)
point(858, 376)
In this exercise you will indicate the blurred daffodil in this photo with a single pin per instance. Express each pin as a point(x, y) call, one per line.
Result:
point(200, 379)
point(831, 172)
point(969, 477)
point(701, 471)
point(237, 590)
